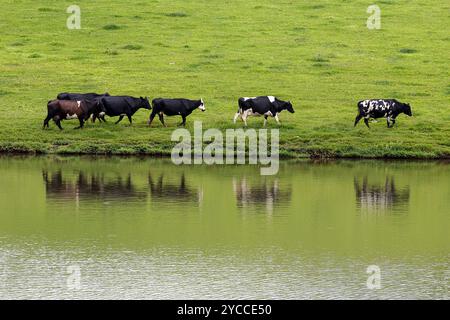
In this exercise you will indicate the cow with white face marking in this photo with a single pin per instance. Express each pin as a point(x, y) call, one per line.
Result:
point(381, 108)
point(174, 107)
point(267, 106)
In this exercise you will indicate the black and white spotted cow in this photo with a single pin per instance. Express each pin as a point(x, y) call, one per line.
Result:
point(379, 108)
point(262, 106)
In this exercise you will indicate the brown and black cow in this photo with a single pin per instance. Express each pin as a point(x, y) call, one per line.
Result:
point(59, 110)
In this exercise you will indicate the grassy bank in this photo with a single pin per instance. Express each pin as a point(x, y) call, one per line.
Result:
point(320, 56)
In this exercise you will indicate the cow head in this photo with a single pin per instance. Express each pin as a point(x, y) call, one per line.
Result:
point(202, 106)
point(407, 109)
point(289, 107)
point(145, 103)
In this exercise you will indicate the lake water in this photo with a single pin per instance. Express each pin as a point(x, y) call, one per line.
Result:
point(94, 228)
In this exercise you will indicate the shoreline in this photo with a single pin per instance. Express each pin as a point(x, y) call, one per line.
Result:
point(167, 155)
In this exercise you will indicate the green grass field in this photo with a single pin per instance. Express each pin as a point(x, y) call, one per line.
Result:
point(320, 55)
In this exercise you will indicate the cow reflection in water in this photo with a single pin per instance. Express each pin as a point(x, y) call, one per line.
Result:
point(378, 197)
point(164, 190)
point(90, 186)
point(267, 194)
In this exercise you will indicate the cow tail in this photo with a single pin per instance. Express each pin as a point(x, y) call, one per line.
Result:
point(49, 105)
point(51, 110)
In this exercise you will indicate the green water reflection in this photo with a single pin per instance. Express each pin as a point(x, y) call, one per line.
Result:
point(339, 216)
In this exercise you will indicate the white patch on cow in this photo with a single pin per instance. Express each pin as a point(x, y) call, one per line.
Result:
point(79, 103)
point(74, 116)
point(271, 98)
point(246, 98)
point(268, 113)
point(102, 114)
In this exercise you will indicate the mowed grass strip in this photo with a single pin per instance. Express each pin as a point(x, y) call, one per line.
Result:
point(320, 56)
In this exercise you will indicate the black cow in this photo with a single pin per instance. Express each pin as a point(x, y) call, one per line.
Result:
point(122, 106)
point(258, 106)
point(174, 107)
point(379, 108)
point(81, 96)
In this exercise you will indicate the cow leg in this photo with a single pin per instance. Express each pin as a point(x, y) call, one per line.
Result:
point(46, 122)
point(236, 116)
point(366, 121)
point(101, 117)
point(129, 119)
point(161, 118)
point(120, 119)
point(58, 123)
point(392, 122)
point(81, 123)
point(97, 116)
point(244, 118)
point(150, 120)
point(358, 118)
point(265, 120)
point(183, 123)
point(50, 115)
point(277, 119)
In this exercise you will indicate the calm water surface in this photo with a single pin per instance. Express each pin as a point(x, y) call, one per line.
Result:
point(140, 228)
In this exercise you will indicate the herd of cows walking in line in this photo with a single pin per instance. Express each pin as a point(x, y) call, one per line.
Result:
point(83, 106)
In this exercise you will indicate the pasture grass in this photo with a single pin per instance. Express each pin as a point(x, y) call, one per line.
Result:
point(320, 56)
